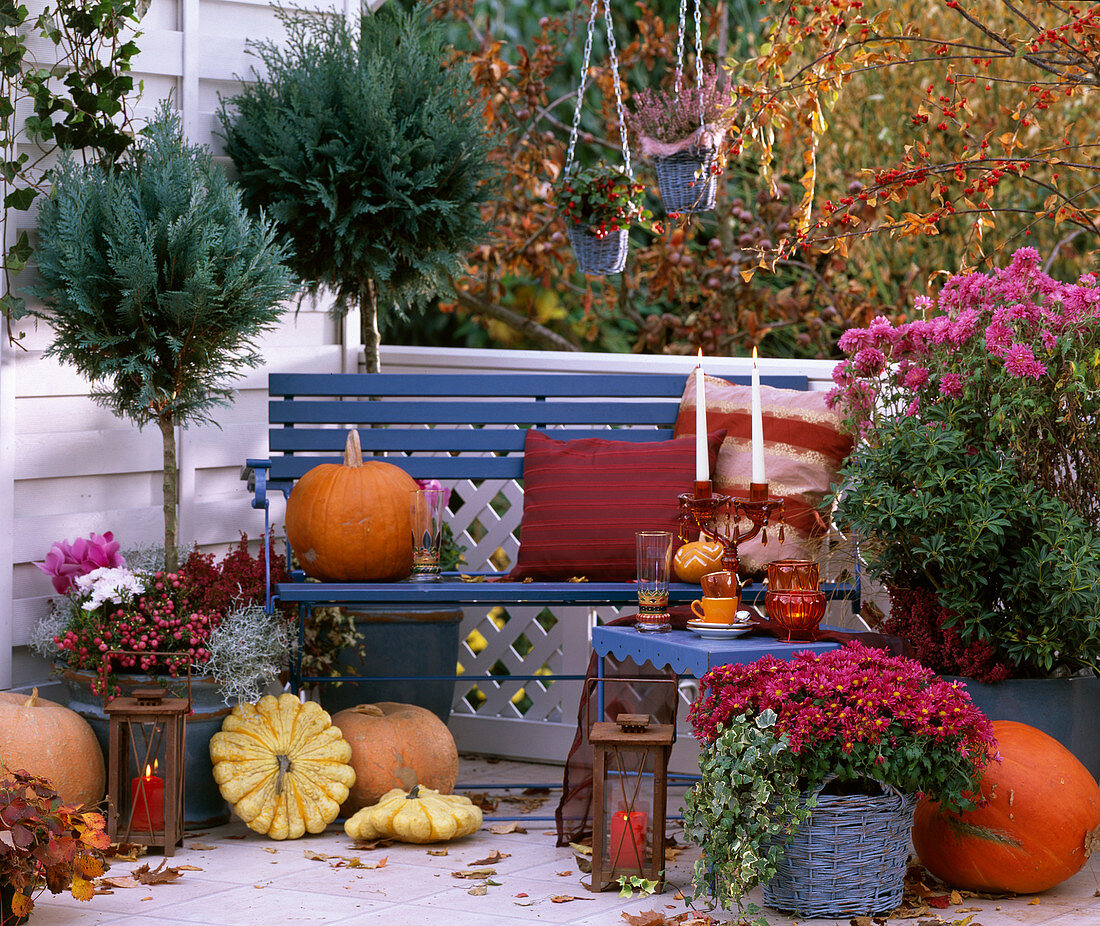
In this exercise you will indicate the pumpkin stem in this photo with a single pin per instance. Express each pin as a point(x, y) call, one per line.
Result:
point(372, 709)
point(413, 794)
point(33, 699)
point(284, 767)
point(353, 449)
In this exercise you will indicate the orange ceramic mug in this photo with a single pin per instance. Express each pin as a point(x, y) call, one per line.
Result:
point(716, 610)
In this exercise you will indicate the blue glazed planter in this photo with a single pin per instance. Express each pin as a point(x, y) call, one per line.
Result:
point(1067, 709)
point(203, 804)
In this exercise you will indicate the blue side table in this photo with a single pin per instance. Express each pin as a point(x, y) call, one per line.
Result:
point(688, 654)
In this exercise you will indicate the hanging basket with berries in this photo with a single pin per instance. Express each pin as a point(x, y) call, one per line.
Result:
point(601, 202)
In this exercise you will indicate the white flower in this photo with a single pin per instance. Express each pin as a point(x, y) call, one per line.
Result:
point(106, 584)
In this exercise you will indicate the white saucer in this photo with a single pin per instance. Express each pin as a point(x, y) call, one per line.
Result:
point(710, 631)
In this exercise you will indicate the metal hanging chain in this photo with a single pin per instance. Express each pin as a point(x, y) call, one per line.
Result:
point(583, 85)
point(698, 55)
point(618, 90)
point(699, 65)
point(575, 131)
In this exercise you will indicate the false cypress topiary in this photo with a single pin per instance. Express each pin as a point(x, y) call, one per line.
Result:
point(368, 149)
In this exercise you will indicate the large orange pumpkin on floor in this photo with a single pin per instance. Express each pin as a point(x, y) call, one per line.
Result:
point(1040, 824)
point(396, 746)
point(49, 740)
point(350, 522)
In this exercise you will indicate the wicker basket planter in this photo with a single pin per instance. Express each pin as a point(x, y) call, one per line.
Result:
point(687, 181)
point(848, 858)
point(599, 256)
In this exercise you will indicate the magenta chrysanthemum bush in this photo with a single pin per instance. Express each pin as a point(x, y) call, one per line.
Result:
point(1015, 354)
point(858, 712)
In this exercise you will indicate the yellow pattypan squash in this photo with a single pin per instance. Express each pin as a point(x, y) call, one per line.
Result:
point(282, 766)
point(419, 815)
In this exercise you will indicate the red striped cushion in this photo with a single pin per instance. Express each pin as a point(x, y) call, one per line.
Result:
point(804, 446)
point(584, 499)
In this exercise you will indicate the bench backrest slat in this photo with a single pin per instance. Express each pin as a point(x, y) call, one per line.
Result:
point(306, 408)
point(496, 385)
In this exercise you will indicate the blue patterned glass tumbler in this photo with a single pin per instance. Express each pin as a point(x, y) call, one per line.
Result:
point(426, 515)
point(654, 550)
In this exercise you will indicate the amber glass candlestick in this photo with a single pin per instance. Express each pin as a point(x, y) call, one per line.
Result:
point(714, 516)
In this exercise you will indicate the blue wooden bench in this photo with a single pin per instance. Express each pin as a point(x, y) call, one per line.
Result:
point(310, 413)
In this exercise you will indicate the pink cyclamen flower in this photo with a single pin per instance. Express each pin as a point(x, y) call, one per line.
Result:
point(436, 484)
point(65, 561)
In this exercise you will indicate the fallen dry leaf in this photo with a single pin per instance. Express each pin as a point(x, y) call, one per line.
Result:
point(316, 856)
point(566, 898)
point(505, 829)
point(478, 890)
point(437, 852)
point(123, 881)
point(939, 901)
point(492, 858)
point(372, 844)
point(188, 868)
point(159, 875)
point(201, 847)
point(581, 848)
point(486, 803)
point(476, 873)
point(955, 897)
point(563, 874)
point(1030, 903)
point(646, 918)
point(236, 836)
point(521, 894)
point(269, 849)
point(126, 851)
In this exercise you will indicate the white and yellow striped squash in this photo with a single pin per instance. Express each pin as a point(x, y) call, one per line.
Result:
point(282, 766)
point(420, 815)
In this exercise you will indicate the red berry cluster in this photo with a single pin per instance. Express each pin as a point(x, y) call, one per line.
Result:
point(159, 625)
point(916, 616)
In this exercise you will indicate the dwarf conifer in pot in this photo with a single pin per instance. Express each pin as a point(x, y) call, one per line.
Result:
point(156, 282)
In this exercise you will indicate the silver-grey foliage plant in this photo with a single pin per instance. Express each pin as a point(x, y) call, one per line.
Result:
point(248, 650)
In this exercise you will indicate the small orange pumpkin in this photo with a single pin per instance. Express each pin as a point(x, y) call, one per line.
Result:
point(695, 559)
point(350, 522)
point(1040, 822)
point(47, 739)
point(396, 745)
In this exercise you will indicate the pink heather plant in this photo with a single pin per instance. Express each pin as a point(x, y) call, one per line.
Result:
point(665, 117)
point(1011, 357)
point(856, 713)
point(65, 561)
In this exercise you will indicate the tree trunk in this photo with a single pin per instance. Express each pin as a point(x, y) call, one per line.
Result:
point(170, 487)
point(368, 325)
point(540, 334)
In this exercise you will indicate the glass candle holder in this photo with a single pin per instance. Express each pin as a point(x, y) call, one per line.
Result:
point(426, 515)
point(796, 611)
point(793, 574)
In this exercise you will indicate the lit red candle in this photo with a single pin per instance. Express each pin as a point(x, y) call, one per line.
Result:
point(628, 839)
point(147, 799)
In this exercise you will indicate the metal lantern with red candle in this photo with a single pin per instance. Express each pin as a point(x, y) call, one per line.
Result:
point(629, 777)
point(145, 758)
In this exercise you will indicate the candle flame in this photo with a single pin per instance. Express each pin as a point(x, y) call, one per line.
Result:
point(148, 771)
point(700, 353)
point(156, 763)
point(754, 354)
